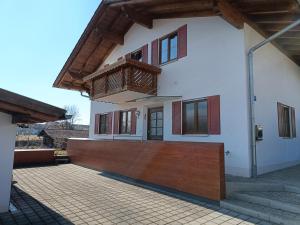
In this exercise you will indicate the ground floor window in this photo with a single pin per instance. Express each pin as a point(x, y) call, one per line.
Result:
point(286, 121)
point(195, 117)
point(103, 126)
point(125, 122)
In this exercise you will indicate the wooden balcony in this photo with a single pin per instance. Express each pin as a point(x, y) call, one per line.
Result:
point(123, 81)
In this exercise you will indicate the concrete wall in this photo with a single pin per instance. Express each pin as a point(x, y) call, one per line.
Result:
point(215, 65)
point(7, 146)
point(277, 79)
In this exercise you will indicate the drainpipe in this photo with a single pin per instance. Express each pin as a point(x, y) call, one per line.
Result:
point(251, 92)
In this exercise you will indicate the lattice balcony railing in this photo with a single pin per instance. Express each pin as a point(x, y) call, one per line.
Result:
point(124, 75)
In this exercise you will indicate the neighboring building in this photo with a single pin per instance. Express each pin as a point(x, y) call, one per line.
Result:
point(57, 138)
point(177, 71)
point(16, 109)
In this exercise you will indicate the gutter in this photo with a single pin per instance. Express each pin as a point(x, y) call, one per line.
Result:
point(252, 96)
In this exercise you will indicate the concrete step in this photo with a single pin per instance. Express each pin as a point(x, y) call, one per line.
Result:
point(62, 159)
point(268, 214)
point(286, 201)
point(293, 189)
point(236, 186)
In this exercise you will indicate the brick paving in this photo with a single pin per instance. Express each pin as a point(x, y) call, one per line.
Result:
point(70, 194)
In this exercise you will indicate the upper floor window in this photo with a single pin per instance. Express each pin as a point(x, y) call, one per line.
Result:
point(195, 117)
point(103, 124)
point(125, 122)
point(168, 48)
point(137, 55)
point(286, 121)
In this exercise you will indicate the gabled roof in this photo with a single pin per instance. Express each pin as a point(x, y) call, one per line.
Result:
point(27, 110)
point(113, 18)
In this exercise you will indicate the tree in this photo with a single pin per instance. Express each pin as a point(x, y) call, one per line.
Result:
point(73, 111)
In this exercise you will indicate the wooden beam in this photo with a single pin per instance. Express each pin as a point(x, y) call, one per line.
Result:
point(265, 7)
point(75, 75)
point(278, 27)
point(181, 7)
point(275, 18)
point(289, 41)
point(205, 13)
point(137, 17)
point(20, 118)
point(231, 14)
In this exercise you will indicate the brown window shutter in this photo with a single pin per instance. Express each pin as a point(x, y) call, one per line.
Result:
point(97, 124)
point(154, 53)
point(280, 113)
point(293, 122)
point(133, 121)
point(109, 121)
point(182, 41)
point(176, 117)
point(145, 53)
point(214, 117)
point(117, 122)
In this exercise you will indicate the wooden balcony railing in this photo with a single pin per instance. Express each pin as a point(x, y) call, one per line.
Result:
point(124, 75)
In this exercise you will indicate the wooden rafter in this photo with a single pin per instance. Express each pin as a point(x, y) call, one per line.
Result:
point(139, 18)
point(231, 14)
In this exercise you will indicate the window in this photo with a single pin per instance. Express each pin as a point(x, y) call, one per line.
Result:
point(125, 122)
point(195, 119)
point(286, 121)
point(137, 55)
point(168, 48)
point(103, 125)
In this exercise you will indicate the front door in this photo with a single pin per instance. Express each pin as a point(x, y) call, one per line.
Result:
point(155, 123)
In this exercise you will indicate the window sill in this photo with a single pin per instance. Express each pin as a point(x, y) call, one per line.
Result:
point(195, 135)
point(166, 63)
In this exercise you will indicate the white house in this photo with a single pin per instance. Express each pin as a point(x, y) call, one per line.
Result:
point(171, 71)
point(16, 109)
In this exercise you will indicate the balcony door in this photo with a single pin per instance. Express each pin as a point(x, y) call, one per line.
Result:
point(155, 123)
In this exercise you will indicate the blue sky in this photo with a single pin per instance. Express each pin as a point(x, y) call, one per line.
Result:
point(37, 36)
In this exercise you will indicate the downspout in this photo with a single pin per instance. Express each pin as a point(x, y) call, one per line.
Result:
point(251, 92)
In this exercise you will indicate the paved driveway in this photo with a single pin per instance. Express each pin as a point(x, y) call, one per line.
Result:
point(70, 194)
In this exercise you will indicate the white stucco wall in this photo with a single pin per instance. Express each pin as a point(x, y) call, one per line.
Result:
point(7, 146)
point(215, 65)
point(277, 79)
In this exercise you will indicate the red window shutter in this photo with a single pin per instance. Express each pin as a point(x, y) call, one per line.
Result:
point(133, 121)
point(117, 122)
point(154, 53)
point(109, 121)
point(293, 122)
point(97, 124)
point(145, 53)
point(182, 41)
point(176, 117)
point(214, 118)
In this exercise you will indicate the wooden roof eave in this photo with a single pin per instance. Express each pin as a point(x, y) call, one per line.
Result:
point(235, 12)
point(100, 10)
point(27, 109)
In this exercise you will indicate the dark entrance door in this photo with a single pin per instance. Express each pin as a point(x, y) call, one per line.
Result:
point(155, 123)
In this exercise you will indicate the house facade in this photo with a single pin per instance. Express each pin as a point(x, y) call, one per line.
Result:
point(184, 78)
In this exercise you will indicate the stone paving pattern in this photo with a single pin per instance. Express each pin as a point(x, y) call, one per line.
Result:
point(70, 194)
